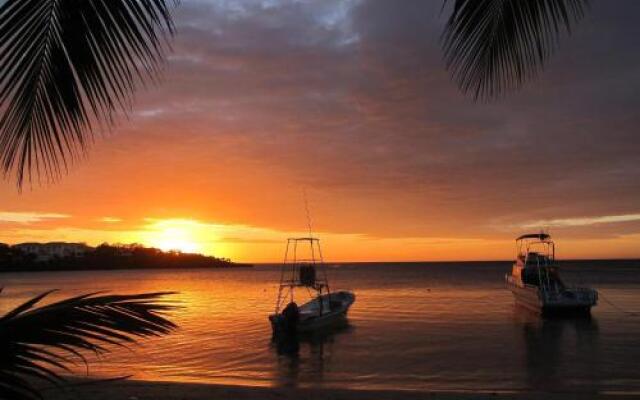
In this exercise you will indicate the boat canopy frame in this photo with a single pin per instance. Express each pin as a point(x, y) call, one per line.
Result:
point(539, 236)
point(526, 243)
point(292, 272)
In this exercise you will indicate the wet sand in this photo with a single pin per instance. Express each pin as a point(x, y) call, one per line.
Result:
point(142, 390)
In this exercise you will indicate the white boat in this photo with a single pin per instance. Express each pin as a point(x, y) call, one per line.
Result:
point(536, 284)
point(323, 308)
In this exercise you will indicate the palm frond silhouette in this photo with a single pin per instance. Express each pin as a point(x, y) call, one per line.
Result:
point(39, 342)
point(494, 46)
point(66, 67)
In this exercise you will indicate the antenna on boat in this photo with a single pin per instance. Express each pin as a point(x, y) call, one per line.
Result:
point(306, 208)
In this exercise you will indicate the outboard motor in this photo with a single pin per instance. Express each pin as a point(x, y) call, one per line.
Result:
point(285, 330)
point(286, 323)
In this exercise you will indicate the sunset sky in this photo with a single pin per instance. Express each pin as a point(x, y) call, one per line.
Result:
point(350, 101)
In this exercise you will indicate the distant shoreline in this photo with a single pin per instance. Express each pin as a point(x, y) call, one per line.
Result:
point(62, 256)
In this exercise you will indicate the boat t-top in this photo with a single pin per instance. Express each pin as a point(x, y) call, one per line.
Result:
point(304, 274)
point(536, 284)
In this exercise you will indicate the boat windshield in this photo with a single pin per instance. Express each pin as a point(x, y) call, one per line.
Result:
point(546, 277)
point(536, 258)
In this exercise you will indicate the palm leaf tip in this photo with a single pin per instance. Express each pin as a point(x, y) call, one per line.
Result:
point(37, 342)
point(66, 67)
point(494, 46)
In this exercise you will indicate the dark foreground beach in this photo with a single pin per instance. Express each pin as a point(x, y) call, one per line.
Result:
point(142, 390)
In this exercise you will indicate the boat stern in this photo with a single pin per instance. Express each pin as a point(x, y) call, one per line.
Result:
point(570, 300)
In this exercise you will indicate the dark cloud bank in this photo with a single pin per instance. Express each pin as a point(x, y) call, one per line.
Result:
point(353, 96)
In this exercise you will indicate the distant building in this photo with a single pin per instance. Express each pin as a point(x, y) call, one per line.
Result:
point(47, 251)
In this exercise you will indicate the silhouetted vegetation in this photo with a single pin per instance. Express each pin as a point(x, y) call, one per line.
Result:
point(494, 46)
point(69, 67)
point(37, 342)
point(109, 257)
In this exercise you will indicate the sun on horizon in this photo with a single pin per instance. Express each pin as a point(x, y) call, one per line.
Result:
point(173, 238)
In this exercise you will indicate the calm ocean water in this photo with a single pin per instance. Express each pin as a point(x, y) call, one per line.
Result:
point(424, 326)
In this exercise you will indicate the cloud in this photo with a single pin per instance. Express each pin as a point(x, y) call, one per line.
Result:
point(249, 241)
point(352, 100)
point(110, 220)
point(584, 221)
point(29, 217)
point(150, 113)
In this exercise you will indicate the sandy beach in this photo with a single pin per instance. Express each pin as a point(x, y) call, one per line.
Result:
point(143, 390)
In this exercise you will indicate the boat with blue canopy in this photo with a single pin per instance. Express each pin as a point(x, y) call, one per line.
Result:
point(536, 284)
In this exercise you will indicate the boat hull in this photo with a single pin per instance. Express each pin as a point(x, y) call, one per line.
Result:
point(335, 307)
point(567, 302)
point(526, 297)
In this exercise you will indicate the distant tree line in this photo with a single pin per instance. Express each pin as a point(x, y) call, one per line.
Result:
point(109, 257)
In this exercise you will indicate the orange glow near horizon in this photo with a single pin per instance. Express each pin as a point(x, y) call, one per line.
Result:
point(184, 235)
point(175, 239)
point(244, 243)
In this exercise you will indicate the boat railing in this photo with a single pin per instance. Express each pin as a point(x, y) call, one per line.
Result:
point(583, 291)
point(297, 283)
point(580, 294)
point(542, 261)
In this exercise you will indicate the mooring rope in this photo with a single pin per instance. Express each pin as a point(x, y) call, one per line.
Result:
point(606, 299)
point(618, 308)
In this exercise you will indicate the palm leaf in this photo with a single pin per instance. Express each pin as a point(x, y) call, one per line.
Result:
point(66, 67)
point(39, 342)
point(493, 46)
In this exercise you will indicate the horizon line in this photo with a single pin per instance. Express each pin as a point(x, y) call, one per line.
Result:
point(448, 261)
